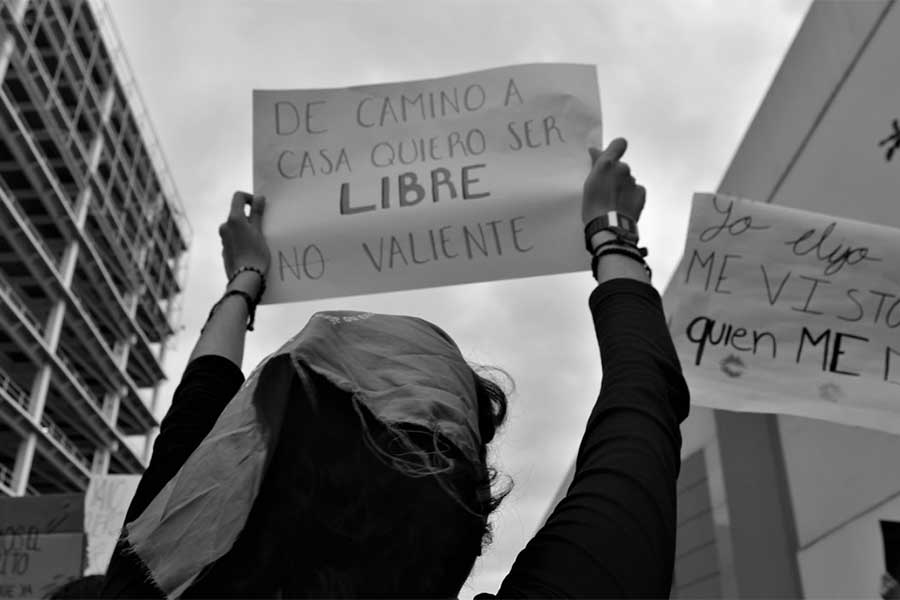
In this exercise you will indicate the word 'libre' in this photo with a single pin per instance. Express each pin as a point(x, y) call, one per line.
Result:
point(410, 192)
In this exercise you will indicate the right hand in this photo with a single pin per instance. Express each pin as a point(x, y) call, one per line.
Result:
point(243, 244)
point(610, 185)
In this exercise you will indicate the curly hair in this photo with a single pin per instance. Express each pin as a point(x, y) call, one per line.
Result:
point(333, 519)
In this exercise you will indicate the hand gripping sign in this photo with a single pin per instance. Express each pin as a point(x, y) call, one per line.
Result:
point(409, 185)
point(779, 310)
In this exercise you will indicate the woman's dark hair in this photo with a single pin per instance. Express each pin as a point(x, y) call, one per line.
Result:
point(333, 519)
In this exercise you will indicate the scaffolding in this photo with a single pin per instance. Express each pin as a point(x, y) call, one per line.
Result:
point(92, 245)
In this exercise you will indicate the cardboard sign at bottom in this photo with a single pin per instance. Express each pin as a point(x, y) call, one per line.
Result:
point(34, 564)
point(42, 544)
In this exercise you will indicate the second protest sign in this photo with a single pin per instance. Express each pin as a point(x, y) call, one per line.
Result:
point(779, 310)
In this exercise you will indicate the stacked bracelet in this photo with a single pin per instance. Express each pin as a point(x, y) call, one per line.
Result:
point(620, 246)
point(615, 222)
point(251, 302)
point(634, 253)
point(621, 243)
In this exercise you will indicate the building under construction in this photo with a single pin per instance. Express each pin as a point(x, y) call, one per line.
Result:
point(91, 237)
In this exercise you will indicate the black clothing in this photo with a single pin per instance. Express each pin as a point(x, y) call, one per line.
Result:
point(613, 535)
point(207, 385)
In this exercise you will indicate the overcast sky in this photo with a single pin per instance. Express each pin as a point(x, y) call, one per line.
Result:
point(680, 79)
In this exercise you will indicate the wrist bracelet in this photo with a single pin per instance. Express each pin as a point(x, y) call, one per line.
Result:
point(251, 307)
point(621, 252)
point(618, 237)
point(240, 270)
point(262, 280)
point(619, 242)
point(614, 221)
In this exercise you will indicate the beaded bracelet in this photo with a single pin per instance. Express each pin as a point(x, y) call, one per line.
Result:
point(262, 278)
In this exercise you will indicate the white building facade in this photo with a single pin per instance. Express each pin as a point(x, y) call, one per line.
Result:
point(92, 238)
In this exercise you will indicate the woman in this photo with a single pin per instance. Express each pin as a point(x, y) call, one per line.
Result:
point(352, 462)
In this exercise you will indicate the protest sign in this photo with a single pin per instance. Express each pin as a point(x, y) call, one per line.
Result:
point(106, 502)
point(41, 544)
point(399, 186)
point(780, 310)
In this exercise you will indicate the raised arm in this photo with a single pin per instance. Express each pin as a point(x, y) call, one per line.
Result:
point(212, 377)
point(613, 534)
point(246, 260)
point(213, 374)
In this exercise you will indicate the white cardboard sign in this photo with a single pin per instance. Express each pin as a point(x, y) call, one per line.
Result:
point(779, 310)
point(475, 177)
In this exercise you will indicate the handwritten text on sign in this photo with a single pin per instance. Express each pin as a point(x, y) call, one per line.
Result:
point(41, 543)
point(409, 185)
point(780, 310)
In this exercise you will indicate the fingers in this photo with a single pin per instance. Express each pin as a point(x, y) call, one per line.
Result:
point(610, 156)
point(615, 150)
point(610, 184)
point(601, 163)
point(238, 201)
point(640, 196)
point(257, 208)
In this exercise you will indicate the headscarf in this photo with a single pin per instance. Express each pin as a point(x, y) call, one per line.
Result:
point(401, 370)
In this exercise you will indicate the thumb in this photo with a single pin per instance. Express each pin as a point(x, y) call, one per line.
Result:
point(615, 150)
point(257, 208)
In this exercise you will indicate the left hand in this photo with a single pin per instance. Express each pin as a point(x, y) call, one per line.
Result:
point(243, 244)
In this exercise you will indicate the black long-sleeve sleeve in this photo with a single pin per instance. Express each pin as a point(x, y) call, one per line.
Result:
point(613, 534)
point(208, 384)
